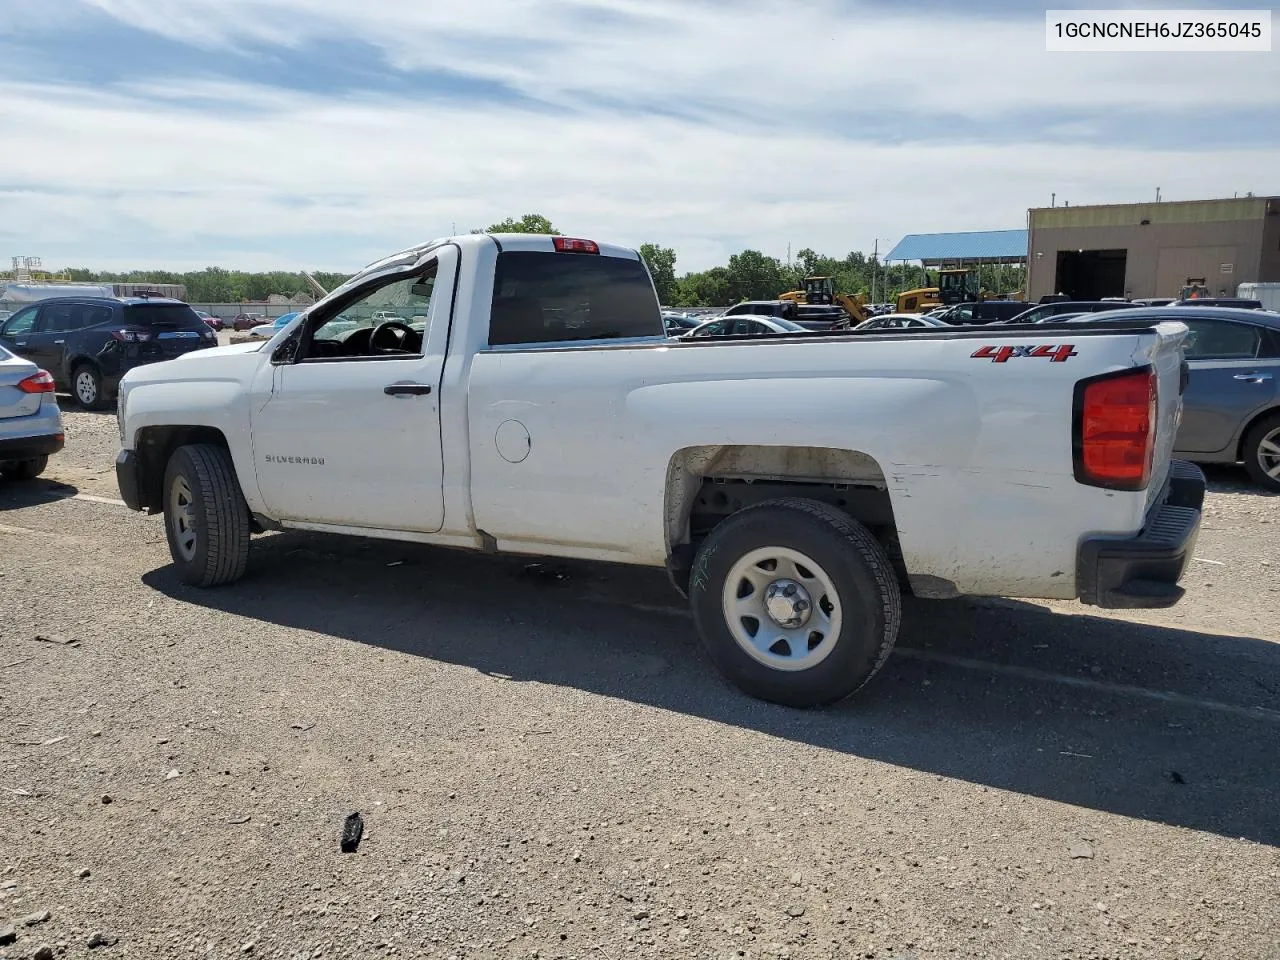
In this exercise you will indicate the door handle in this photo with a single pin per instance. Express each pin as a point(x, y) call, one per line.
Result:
point(19, 343)
point(407, 389)
point(1253, 377)
point(59, 341)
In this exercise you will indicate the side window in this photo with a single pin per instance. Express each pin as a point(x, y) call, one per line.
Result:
point(388, 319)
point(62, 317)
point(1222, 340)
point(24, 321)
point(94, 315)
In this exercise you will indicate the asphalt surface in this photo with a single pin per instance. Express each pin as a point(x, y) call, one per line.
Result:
point(547, 765)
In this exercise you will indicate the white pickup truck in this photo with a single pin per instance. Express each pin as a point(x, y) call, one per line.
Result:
point(791, 484)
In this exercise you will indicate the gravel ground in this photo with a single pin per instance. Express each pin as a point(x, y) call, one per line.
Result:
point(548, 766)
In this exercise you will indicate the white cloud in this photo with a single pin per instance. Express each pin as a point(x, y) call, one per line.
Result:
point(261, 177)
point(761, 55)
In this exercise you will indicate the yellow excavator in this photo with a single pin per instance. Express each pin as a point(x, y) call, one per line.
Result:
point(821, 291)
point(954, 286)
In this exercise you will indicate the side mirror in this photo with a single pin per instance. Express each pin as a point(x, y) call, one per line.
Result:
point(422, 289)
point(287, 352)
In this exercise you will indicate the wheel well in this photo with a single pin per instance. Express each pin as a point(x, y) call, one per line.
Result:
point(155, 445)
point(706, 485)
point(76, 363)
point(1244, 434)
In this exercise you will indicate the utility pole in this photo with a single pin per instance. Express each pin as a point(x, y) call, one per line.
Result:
point(875, 262)
point(875, 266)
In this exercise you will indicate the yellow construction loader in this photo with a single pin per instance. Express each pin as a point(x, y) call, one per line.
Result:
point(822, 291)
point(954, 286)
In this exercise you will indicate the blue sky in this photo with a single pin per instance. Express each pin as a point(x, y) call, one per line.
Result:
point(325, 133)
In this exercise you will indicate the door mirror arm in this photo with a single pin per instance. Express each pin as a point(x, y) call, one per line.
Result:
point(287, 352)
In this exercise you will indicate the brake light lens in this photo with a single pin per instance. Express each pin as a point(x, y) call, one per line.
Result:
point(1115, 429)
point(131, 336)
point(570, 245)
point(41, 382)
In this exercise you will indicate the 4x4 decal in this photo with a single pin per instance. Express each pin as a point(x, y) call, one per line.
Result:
point(1055, 354)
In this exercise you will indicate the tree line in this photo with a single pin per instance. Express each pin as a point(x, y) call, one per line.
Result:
point(214, 284)
point(749, 275)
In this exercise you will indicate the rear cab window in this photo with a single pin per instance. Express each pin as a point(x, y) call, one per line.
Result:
point(163, 316)
point(566, 297)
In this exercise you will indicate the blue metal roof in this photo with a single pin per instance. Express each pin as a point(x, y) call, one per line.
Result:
point(973, 245)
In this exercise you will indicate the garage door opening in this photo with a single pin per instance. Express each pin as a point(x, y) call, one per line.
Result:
point(1091, 274)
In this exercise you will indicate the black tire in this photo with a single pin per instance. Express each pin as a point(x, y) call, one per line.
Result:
point(86, 387)
point(1268, 429)
point(856, 565)
point(23, 469)
point(210, 545)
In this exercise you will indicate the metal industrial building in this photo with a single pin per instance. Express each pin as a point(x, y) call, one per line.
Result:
point(1152, 249)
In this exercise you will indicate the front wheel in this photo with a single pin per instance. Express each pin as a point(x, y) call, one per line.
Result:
point(1262, 452)
point(797, 603)
point(24, 469)
point(205, 516)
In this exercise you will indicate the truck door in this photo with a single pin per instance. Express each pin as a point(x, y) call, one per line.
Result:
point(346, 421)
point(1233, 368)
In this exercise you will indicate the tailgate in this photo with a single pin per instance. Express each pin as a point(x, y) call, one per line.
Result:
point(174, 329)
point(1164, 353)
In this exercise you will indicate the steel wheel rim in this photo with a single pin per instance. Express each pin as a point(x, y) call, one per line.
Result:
point(86, 389)
point(755, 629)
point(1269, 454)
point(182, 517)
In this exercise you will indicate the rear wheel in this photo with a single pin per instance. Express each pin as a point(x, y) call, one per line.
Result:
point(205, 516)
point(1262, 452)
point(797, 603)
point(23, 469)
point(86, 385)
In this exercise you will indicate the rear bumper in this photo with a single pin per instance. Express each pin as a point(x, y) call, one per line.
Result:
point(1143, 571)
point(127, 479)
point(28, 448)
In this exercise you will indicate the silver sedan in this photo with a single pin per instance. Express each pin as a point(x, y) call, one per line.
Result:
point(30, 422)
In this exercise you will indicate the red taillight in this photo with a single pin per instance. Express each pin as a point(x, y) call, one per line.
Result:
point(131, 336)
point(41, 382)
point(1115, 430)
point(570, 245)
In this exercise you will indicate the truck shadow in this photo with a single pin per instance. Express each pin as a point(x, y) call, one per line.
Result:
point(1145, 721)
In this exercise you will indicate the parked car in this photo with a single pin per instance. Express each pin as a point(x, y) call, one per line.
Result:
point(215, 322)
point(1239, 303)
point(89, 343)
point(744, 325)
point(787, 484)
point(1038, 313)
point(269, 330)
point(677, 324)
point(899, 321)
point(1231, 406)
point(985, 311)
point(247, 321)
point(30, 422)
point(816, 316)
point(786, 309)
